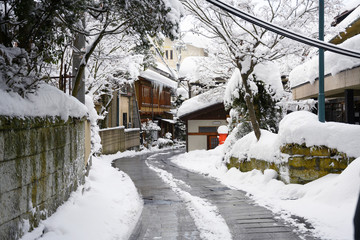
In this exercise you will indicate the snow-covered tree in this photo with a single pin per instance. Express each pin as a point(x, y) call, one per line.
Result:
point(137, 18)
point(32, 33)
point(250, 48)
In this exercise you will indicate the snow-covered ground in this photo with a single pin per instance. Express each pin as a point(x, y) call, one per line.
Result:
point(107, 206)
point(327, 203)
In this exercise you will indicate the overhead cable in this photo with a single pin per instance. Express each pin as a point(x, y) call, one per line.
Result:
point(284, 32)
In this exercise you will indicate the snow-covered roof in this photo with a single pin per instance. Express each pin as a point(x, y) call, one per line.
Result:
point(334, 63)
point(158, 79)
point(164, 68)
point(201, 101)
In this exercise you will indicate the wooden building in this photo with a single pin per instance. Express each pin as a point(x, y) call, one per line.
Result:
point(153, 94)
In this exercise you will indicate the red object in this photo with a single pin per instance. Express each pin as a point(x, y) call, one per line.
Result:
point(222, 138)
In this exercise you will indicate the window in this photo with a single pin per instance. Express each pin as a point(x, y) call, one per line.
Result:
point(171, 54)
point(146, 94)
point(166, 54)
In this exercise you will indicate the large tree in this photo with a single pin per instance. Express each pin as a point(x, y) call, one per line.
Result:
point(32, 33)
point(138, 18)
point(249, 47)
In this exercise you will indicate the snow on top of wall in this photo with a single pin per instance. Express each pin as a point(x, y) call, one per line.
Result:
point(158, 80)
point(46, 101)
point(334, 63)
point(299, 127)
point(201, 101)
point(304, 127)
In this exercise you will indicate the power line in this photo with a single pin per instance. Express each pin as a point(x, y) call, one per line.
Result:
point(284, 32)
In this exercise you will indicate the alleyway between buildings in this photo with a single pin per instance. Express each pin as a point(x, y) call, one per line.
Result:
point(179, 204)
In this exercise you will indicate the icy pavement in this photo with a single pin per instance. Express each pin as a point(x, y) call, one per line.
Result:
point(179, 204)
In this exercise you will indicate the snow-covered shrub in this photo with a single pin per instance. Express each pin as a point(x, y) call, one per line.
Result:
point(150, 129)
point(164, 142)
point(237, 133)
point(168, 135)
point(14, 72)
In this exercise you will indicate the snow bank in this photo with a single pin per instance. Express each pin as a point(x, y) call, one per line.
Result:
point(304, 127)
point(201, 101)
point(328, 203)
point(108, 206)
point(93, 117)
point(334, 63)
point(266, 148)
point(46, 101)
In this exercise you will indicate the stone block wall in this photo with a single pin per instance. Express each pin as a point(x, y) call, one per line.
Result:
point(309, 163)
point(42, 160)
point(303, 165)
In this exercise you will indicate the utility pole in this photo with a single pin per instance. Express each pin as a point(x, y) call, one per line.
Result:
point(321, 97)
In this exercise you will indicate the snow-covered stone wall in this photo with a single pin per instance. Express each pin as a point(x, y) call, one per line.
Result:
point(42, 160)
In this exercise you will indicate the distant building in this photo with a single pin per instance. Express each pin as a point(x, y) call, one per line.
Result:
point(174, 49)
point(153, 94)
point(122, 109)
point(203, 114)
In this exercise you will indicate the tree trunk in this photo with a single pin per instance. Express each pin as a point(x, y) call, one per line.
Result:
point(248, 100)
point(84, 62)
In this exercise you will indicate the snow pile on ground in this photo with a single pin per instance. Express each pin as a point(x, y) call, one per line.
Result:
point(106, 207)
point(93, 117)
point(46, 101)
point(201, 101)
point(300, 127)
point(266, 148)
point(328, 203)
point(334, 63)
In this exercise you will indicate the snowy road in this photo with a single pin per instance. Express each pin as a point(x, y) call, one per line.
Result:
point(179, 204)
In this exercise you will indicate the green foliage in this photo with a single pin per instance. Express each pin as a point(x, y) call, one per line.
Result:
point(267, 112)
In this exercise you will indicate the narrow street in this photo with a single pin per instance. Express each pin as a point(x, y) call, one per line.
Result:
point(179, 204)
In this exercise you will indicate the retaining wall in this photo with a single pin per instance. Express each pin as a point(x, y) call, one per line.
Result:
point(303, 165)
point(42, 160)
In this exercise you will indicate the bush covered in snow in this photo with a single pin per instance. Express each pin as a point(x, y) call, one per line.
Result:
point(164, 142)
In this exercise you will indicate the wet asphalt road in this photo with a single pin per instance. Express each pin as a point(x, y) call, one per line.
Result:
point(166, 216)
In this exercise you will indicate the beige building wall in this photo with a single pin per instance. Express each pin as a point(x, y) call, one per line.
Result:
point(172, 55)
point(124, 108)
point(197, 142)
